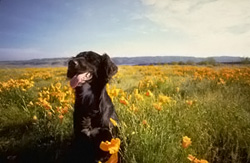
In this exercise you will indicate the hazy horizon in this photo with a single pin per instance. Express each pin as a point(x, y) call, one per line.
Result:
point(121, 57)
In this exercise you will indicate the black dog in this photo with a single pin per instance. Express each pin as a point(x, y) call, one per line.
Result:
point(89, 73)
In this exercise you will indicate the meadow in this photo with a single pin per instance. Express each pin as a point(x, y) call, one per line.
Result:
point(168, 114)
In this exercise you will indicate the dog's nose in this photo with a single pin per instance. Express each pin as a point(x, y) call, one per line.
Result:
point(72, 63)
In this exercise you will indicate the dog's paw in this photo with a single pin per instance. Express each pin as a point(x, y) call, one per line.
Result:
point(86, 132)
point(95, 132)
point(86, 122)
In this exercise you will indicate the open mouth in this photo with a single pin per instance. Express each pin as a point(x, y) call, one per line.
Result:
point(80, 79)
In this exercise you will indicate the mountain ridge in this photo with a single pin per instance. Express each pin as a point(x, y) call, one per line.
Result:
point(140, 60)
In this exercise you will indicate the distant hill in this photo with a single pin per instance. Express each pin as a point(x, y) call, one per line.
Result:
point(55, 62)
point(170, 59)
point(121, 61)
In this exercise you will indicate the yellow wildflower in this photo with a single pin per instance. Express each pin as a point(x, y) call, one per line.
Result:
point(189, 102)
point(158, 106)
point(139, 97)
point(49, 114)
point(30, 104)
point(35, 118)
point(123, 101)
point(149, 93)
point(203, 161)
point(65, 110)
point(135, 91)
point(193, 159)
point(112, 147)
point(221, 81)
point(60, 117)
point(133, 108)
point(58, 85)
point(116, 92)
point(113, 121)
point(186, 141)
point(177, 89)
point(164, 99)
point(145, 123)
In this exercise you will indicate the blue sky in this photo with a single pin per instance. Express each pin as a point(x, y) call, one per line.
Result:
point(124, 28)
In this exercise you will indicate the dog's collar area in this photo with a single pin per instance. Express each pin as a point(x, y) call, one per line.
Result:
point(80, 79)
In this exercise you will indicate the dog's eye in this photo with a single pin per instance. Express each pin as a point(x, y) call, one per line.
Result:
point(72, 63)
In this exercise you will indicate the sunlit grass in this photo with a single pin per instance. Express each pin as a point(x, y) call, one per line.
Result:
point(157, 106)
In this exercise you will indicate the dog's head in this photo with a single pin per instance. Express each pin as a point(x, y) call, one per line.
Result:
point(89, 67)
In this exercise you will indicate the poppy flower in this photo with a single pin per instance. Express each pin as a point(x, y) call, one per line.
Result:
point(123, 101)
point(189, 102)
point(112, 147)
point(203, 161)
point(149, 93)
point(145, 123)
point(186, 141)
point(60, 117)
point(193, 159)
point(158, 106)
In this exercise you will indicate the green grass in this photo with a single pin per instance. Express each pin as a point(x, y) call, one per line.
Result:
point(217, 122)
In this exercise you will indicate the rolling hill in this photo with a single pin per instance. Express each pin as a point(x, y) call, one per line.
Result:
point(123, 61)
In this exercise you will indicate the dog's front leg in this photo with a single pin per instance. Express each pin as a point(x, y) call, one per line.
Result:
point(94, 132)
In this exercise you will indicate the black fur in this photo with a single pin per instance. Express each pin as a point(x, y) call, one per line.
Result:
point(93, 107)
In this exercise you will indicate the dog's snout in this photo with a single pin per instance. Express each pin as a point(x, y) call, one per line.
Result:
point(72, 63)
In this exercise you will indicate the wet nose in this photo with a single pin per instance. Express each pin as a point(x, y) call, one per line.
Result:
point(72, 63)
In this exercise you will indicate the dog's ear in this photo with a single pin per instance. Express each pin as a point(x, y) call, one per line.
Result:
point(108, 68)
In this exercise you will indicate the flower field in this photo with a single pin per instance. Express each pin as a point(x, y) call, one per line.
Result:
point(167, 114)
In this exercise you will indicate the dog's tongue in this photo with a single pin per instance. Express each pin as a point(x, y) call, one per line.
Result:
point(79, 79)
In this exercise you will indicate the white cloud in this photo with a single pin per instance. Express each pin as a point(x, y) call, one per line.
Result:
point(149, 2)
point(211, 26)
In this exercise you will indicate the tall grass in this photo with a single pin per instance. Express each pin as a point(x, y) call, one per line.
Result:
point(212, 108)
